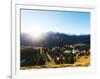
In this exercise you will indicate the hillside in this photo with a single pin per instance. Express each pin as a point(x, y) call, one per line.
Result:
point(50, 39)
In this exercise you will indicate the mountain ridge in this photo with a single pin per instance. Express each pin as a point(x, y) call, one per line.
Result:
point(50, 39)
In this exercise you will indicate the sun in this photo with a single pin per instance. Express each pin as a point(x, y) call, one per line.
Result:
point(36, 34)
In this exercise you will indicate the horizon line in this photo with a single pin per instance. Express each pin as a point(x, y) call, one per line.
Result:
point(58, 32)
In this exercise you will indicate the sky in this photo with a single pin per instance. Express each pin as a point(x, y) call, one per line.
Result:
point(38, 21)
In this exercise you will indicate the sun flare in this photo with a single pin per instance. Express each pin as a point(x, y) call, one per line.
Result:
point(35, 34)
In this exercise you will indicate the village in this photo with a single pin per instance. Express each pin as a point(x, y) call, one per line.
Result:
point(72, 55)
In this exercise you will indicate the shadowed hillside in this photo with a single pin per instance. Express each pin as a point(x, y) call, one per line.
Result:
point(51, 39)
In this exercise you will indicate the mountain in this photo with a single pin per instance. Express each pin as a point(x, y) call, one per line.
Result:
point(50, 39)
